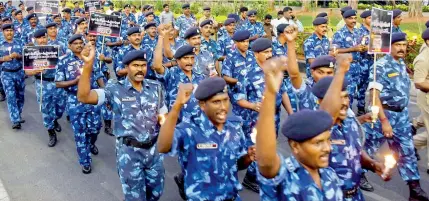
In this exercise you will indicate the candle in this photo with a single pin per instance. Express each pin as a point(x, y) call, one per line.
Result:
point(363, 41)
point(81, 70)
point(253, 135)
point(374, 112)
point(10, 49)
point(161, 119)
point(389, 163)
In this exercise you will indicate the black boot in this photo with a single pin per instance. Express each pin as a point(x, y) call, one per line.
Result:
point(2, 96)
point(413, 130)
point(68, 118)
point(108, 127)
point(417, 154)
point(16, 126)
point(365, 185)
point(416, 191)
point(52, 138)
point(86, 169)
point(250, 183)
point(92, 140)
point(179, 179)
point(361, 111)
point(57, 126)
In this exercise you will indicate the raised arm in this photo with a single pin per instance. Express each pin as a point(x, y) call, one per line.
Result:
point(84, 92)
point(291, 33)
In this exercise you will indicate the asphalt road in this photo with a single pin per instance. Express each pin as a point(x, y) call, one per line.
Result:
point(30, 170)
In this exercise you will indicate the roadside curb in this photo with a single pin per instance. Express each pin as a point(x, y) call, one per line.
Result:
point(3, 193)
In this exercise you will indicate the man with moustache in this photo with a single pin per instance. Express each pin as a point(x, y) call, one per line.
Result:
point(249, 97)
point(81, 26)
point(27, 34)
point(12, 75)
point(392, 89)
point(255, 28)
point(226, 43)
point(185, 21)
point(137, 104)
point(67, 23)
point(85, 122)
point(150, 38)
point(208, 44)
point(128, 21)
point(171, 46)
point(209, 141)
point(204, 60)
point(347, 40)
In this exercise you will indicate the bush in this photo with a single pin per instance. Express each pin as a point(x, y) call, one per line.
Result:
point(425, 8)
point(295, 3)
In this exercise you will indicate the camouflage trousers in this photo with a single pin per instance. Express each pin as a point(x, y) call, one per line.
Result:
point(53, 102)
point(401, 143)
point(363, 83)
point(86, 127)
point(14, 88)
point(141, 172)
point(353, 78)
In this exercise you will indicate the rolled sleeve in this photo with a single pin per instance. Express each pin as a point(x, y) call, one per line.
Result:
point(277, 180)
point(101, 96)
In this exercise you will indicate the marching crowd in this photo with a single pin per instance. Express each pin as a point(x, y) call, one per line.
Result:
point(211, 93)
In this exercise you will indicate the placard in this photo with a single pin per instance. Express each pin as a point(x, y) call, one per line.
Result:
point(381, 31)
point(40, 57)
point(92, 5)
point(105, 25)
point(46, 7)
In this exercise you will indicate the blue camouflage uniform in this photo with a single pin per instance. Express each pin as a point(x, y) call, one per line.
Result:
point(241, 24)
point(255, 29)
point(226, 45)
point(313, 48)
point(106, 113)
point(28, 32)
point(395, 95)
point(85, 119)
point(12, 76)
point(67, 28)
point(171, 79)
point(366, 61)
point(202, 61)
point(293, 182)
point(125, 25)
point(62, 46)
point(343, 38)
point(305, 98)
point(18, 28)
point(236, 66)
point(211, 46)
point(221, 33)
point(141, 170)
point(149, 43)
point(150, 74)
point(345, 157)
point(210, 174)
point(144, 21)
point(183, 23)
point(174, 47)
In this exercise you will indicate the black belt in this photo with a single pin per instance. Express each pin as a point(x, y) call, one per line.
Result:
point(11, 71)
point(142, 145)
point(394, 109)
point(44, 78)
point(350, 193)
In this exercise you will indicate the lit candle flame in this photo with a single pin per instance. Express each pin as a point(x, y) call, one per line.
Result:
point(389, 163)
point(10, 49)
point(161, 119)
point(374, 112)
point(253, 135)
point(363, 41)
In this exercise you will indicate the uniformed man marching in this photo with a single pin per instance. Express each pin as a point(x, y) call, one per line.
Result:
point(137, 103)
point(211, 143)
point(392, 93)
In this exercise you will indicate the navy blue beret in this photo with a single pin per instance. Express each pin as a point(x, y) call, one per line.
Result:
point(281, 28)
point(306, 124)
point(241, 35)
point(365, 14)
point(319, 21)
point(18, 12)
point(75, 37)
point(228, 21)
point(134, 55)
point(210, 87)
point(127, 6)
point(20, 3)
point(150, 24)
point(206, 8)
point(31, 16)
point(80, 20)
point(66, 10)
point(183, 51)
point(39, 33)
point(29, 8)
point(349, 13)
point(6, 26)
point(193, 31)
point(427, 24)
point(80, 10)
point(345, 9)
point(425, 34)
point(396, 12)
point(261, 44)
point(133, 30)
point(148, 13)
point(145, 7)
point(251, 12)
point(398, 36)
point(322, 14)
point(206, 22)
point(321, 87)
point(186, 5)
point(55, 16)
point(234, 16)
point(323, 61)
point(52, 24)
point(6, 19)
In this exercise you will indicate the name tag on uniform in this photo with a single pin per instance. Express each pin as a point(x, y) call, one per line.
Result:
point(128, 99)
point(258, 82)
point(393, 75)
point(206, 146)
point(338, 142)
point(239, 64)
